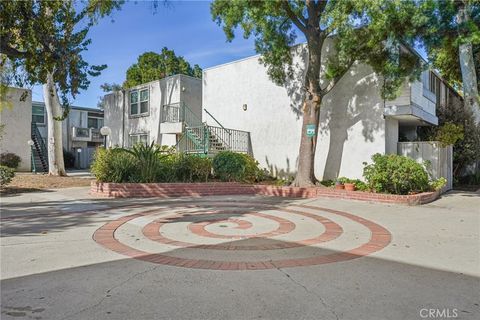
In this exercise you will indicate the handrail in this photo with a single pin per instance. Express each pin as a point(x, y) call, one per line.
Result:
point(43, 147)
point(228, 130)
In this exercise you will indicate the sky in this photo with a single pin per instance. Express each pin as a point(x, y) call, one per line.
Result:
point(183, 26)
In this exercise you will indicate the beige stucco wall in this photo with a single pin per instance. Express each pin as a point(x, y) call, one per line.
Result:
point(352, 126)
point(16, 118)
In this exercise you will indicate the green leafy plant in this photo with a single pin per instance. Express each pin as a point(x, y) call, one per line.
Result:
point(10, 160)
point(6, 175)
point(449, 134)
point(327, 183)
point(113, 165)
point(191, 168)
point(395, 174)
point(231, 166)
point(359, 184)
point(438, 184)
point(148, 159)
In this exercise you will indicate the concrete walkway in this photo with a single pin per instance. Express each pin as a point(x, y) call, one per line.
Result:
point(65, 255)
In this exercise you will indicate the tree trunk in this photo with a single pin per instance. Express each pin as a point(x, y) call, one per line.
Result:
point(311, 115)
point(54, 144)
point(467, 66)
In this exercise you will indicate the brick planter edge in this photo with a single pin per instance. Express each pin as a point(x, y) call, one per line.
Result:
point(172, 190)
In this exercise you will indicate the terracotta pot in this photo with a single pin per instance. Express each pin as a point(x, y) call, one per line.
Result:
point(339, 186)
point(349, 186)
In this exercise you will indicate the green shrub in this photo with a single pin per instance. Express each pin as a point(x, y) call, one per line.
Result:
point(327, 183)
point(438, 184)
point(148, 162)
point(113, 165)
point(10, 160)
point(395, 174)
point(231, 166)
point(6, 175)
point(191, 168)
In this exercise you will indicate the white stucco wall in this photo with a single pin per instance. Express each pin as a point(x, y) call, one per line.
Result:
point(16, 117)
point(352, 125)
point(169, 90)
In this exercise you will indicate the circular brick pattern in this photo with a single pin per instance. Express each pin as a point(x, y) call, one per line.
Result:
point(333, 230)
point(204, 219)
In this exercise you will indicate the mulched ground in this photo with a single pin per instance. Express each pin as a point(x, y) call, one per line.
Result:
point(40, 182)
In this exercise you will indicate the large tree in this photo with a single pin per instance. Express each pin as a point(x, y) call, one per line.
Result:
point(363, 30)
point(451, 34)
point(152, 66)
point(45, 40)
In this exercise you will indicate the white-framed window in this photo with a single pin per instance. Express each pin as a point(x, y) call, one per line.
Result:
point(139, 102)
point(38, 114)
point(138, 138)
point(95, 123)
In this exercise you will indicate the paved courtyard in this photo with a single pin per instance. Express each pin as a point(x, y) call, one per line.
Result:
point(65, 255)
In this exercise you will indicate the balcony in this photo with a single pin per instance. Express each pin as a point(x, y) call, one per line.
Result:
point(86, 134)
point(175, 115)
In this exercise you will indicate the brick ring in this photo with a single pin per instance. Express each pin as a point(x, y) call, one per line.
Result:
point(379, 239)
point(332, 231)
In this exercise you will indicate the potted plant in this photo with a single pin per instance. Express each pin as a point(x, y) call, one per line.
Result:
point(349, 186)
point(339, 185)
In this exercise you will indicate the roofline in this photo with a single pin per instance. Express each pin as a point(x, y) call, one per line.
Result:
point(72, 107)
point(179, 75)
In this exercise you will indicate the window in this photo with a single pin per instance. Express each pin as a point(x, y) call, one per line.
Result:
point(38, 114)
point(138, 138)
point(139, 102)
point(95, 123)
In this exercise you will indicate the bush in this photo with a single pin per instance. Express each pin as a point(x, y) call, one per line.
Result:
point(68, 159)
point(191, 168)
point(147, 158)
point(438, 184)
point(10, 160)
point(395, 174)
point(6, 175)
point(231, 166)
point(113, 165)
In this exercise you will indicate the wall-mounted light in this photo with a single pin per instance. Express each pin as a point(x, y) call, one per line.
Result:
point(245, 107)
point(183, 89)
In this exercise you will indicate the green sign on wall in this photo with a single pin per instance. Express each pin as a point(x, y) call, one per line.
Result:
point(311, 130)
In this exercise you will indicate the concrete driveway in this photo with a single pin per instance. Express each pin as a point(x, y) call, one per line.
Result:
point(65, 255)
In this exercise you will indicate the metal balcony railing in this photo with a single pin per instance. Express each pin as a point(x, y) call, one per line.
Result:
point(180, 112)
point(86, 134)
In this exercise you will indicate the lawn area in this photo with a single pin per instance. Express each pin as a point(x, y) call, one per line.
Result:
point(37, 182)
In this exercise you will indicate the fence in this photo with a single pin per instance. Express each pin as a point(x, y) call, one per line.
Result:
point(440, 159)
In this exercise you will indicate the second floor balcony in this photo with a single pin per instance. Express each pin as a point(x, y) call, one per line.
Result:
point(86, 134)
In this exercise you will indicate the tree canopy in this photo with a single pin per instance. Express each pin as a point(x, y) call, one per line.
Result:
point(152, 66)
point(442, 33)
point(369, 31)
point(41, 37)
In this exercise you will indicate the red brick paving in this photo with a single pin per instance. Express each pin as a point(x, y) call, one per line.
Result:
point(379, 239)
